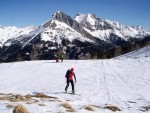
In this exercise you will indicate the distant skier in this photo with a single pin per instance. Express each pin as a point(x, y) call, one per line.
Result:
point(62, 57)
point(69, 77)
point(57, 59)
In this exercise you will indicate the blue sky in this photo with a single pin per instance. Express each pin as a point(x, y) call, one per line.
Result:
point(23, 13)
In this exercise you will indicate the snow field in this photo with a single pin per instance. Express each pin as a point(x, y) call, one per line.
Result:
point(119, 82)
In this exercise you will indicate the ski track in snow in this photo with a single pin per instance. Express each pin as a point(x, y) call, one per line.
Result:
point(99, 83)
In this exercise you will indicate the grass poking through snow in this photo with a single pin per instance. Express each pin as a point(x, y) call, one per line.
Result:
point(68, 107)
point(20, 109)
point(112, 108)
point(89, 108)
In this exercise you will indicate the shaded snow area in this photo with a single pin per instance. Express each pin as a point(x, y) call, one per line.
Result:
point(116, 84)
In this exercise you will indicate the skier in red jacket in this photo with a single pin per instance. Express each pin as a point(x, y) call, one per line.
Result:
point(69, 76)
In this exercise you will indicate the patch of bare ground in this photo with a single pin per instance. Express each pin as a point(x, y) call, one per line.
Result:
point(20, 109)
point(41, 104)
point(44, 97)
point(112, 108)
point(13, 98)
point(27, 98)
point(68, 107)
point(89, 108)
point(145, 108)
point(38, 99)
point(41, 95)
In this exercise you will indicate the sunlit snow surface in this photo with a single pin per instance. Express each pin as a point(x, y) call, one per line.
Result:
point(122, 82)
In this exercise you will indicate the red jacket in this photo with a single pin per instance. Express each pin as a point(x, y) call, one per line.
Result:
point(69, 75)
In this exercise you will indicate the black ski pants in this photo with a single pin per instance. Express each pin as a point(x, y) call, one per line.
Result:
point(72, 84)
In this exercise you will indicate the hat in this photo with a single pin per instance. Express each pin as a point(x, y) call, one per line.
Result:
point(72, 69)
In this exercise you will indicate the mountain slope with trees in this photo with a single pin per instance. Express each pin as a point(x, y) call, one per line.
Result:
point(83, 37)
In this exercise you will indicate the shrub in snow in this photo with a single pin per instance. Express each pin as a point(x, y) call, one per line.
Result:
point(112, 108)
point(89, 108)
point(68, 107)
point(145, 108)
point(20, 109)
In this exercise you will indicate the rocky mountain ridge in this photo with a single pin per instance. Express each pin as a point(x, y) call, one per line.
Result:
point(83, 37)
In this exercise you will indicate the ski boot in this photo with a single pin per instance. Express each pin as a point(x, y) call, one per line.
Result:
point(73, 92)
point(65, 90)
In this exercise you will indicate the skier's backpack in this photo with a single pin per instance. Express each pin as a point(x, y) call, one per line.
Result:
point(67, 73)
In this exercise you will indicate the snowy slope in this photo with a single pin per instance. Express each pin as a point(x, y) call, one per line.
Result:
point(143, 52)
point(119, 82)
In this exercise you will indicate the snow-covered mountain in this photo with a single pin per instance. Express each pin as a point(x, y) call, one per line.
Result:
point(104, 28)
point(81, 37)
point(100, 28)
point(9, 33)
point(62, 22)
point(120, 85)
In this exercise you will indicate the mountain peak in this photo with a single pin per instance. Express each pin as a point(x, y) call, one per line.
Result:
point(78, 14)
point(92, 15)
point(59, 15)
point(58, 12)
point(138, 27)
point(84, 18)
